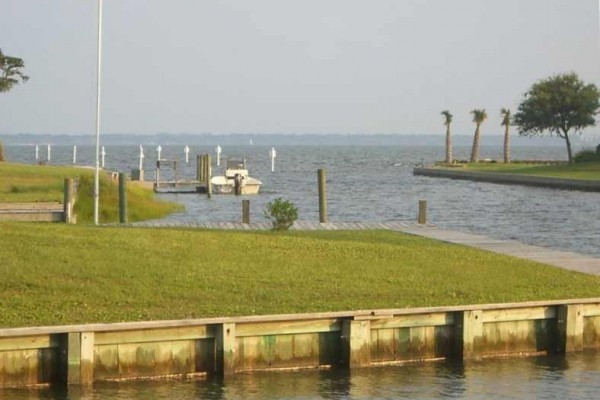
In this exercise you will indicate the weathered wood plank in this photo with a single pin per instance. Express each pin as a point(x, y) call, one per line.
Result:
point(28, 342)
point(519, 314)
point(154, 335)
point(414, 321)
point(591, 333)
point(287, 328)
point(590, 310)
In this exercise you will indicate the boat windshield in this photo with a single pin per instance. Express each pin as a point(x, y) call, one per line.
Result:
point(236, 164)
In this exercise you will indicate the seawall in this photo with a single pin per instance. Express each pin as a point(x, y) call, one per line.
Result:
point(528, 180)
point(83, 354)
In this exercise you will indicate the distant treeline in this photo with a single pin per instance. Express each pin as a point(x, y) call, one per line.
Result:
point(269, 139)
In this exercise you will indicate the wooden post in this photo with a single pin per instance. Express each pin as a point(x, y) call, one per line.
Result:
point(199, 168)
point(472, 333)
point(356, 342)
point(226, 349)
point(245, 211)
point(207, 175)
point(322, 195)
point(237, 184)
point(68, 201)
point(122, 198)
point(80, 358)
point(570, 328)
point(422, 218)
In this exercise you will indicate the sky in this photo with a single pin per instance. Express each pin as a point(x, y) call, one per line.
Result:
point(287, 66)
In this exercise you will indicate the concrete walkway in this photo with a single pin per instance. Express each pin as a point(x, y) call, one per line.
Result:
point(559, 258)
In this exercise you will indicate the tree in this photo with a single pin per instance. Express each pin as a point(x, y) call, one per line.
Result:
point(558, 105)
point(505, 113)
point(10, 72)
point(447, 122)
point(478, 117)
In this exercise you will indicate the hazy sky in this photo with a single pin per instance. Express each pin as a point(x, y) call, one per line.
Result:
point(287, 66)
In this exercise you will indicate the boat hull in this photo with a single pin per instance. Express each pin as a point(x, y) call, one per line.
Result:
point(222, 185)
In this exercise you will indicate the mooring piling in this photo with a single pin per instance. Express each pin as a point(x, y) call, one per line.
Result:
point(422, 217)
point(68, 200)
point(322, 195)
point(122, 198)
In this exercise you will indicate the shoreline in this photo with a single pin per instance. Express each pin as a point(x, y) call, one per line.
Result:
point(511, 179)
point(84, 354)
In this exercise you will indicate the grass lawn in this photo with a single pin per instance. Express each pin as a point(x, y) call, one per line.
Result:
point(60, 274)
point(587, 170)
point(41, 183)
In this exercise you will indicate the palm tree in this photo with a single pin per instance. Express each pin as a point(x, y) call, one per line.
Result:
point(447, 122)
point(505, 113)
point(478, 117)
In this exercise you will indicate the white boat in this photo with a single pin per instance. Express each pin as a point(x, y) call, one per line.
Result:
point(236, 176)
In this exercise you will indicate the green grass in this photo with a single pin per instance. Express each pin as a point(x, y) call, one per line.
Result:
point(587, 170)
point(61, 274)
point(42, 183)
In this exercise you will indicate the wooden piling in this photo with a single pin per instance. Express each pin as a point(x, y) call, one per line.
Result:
point(237, 184)
point(68, 201)
point(200, 169)
point(322, 195)
point(207, 175)
point(122, 198)
point(226, 349)
point(422, 217)
point(570, 326)
point(245, 211)
point(356, 343)
point(80, 358)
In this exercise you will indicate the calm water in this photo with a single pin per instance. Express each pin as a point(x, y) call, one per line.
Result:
point(573, 377)
point(375, 184)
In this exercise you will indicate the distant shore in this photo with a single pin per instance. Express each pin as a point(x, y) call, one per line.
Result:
point(580, 180)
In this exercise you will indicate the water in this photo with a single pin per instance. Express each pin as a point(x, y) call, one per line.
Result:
point(576, 376)
point(373, 183)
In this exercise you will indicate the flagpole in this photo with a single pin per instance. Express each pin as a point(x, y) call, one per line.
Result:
point(97, 174)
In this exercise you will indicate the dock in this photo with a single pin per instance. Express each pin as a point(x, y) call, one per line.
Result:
point(32, 212)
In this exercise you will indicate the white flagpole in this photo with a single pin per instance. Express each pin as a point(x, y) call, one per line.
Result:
point(97, 174)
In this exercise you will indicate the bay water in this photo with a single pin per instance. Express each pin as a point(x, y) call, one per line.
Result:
point(371, 183)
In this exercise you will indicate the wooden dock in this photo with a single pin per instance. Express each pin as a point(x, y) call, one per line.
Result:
point(558, 258)
point(32, 212)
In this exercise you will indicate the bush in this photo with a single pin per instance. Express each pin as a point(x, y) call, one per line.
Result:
point(1, 152)
point(586, 156)
point(282, 213)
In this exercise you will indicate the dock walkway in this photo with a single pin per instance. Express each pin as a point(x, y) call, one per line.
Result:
point(558, 258)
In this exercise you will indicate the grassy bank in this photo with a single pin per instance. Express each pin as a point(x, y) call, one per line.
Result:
point(588, 170)
point(59, 274)
point(41, 183)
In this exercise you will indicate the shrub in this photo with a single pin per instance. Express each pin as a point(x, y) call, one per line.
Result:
point(1, 152)
point(282, 213)
point(586, 156)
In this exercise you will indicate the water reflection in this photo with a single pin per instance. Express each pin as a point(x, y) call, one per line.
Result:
point(556, 377)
